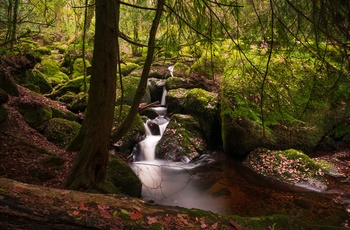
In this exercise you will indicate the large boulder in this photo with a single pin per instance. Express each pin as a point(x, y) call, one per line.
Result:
point(78, 67)
point(4, 97)
point(8, 84)
point(120, 179)
point(127, 68)
point(290, 166)
point(35, 77)
point(182, 139)
point(60, 131)
point(130, 84)
point(75, 85)
point(35, 114)
point(50, 68)
point(156, 87)
point(202, 105)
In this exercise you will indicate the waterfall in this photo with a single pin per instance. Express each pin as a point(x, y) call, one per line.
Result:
point(163, 101)
point(148, 145)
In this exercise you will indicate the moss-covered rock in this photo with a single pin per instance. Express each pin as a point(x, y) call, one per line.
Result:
point(50, 68)
point(201, 104)
point(128, 67)
point(4, 97)
point(35, 77)
point(182, 139)
point(79, 102)
point(78, 67)
point(60, 131)
point(131, 83)
point(35, 114)
point(175, 83)
point(120, 179)
point(290, 166)
point(132, 137)
point(68, 115)
point(3, 114)
point(42, 51)
point(209, 64)
point(75, 85)
point(8, 85)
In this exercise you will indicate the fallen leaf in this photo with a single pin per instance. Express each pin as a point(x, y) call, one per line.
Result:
point(82, 206)
point(135, 215)
point(215, 226)
point(103, 212)
point(234, 224)
point(203, 224)
point(151, 220)
point(124, 211)
point(181, 217)
point(75, 213)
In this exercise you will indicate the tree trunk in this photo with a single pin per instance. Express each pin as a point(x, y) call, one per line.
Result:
point(93, 138)
point(141, 89)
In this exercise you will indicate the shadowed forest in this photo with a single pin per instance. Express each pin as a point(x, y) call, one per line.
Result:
point(106, 106)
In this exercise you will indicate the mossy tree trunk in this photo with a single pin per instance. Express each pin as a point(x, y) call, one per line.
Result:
point(93, 138)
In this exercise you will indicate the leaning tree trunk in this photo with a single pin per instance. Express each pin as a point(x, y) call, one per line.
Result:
point(93, 138)
point(141, 89)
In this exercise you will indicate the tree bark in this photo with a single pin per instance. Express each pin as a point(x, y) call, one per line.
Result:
point(93, 138)
point(141, 89)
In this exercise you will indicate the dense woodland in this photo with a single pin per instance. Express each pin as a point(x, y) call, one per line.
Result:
point(280, 68)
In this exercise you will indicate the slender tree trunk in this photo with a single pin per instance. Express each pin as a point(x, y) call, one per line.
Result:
point(93, 138)
point(141, 89)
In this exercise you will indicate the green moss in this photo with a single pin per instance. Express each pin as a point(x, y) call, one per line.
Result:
point(3, 114)
point(68, 115)
point(36, 115)
point(73, 85)
point(35, 77)
point(79, 102)
point(60, 131)
point(78, 67)
point(210, 64)
point(8, 85)
point(175, 83)
point(42, 51)
point(131, 83)
point(122, 177)
point(50, 67)
point(128, 67)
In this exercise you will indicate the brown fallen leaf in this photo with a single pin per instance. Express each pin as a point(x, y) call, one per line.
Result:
point(234, 224)
point(82, 206)
point(135, 215)
point(151, 220)
point(203, 224)
point(75, 213)
point(214, 226)
point(103, 212)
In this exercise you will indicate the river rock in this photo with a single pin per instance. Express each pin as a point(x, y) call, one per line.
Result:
point(182, 139)
point(290, 166)
point(199, 103)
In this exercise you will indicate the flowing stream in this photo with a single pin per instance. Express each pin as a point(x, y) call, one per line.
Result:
point(219, 184)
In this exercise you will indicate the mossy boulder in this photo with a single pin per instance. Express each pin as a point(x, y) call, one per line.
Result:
point(182, 139)
point(8, 85)
point(120, 179)
point(78, 67)
point(68, 115)
point(42, 51)
point(128, 67)
point(130, 84)
point(36, 115)
point(4, 97)
point(61, 131)
point(201, 104)
point(176, 82)
point(3, 114)
point(79, 102)
point(132, 137)
point(290, 166)
point(209, 65)
point(35, 77)
point(50, 68)
point(75, 85)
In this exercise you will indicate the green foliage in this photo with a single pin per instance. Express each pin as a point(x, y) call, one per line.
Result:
point(210, 64)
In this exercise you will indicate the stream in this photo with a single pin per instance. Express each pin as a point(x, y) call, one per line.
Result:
point(220, 184)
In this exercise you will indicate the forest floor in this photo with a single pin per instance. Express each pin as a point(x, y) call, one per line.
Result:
point(31, 194)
